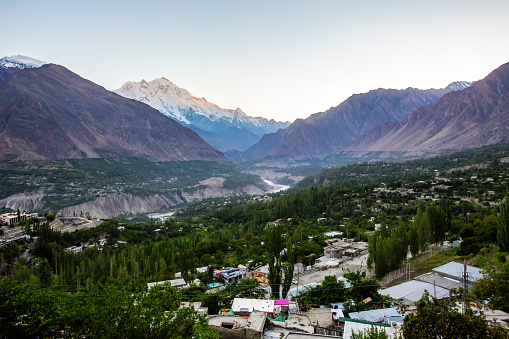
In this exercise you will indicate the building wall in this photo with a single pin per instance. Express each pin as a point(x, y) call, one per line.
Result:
point(227, 333)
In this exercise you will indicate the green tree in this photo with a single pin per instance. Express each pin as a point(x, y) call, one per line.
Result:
point(288, 266)
point(274, 245)
point(44, 272)
point(441, 320)
point(494, 286)
point(374, 332)
point(413, 238)
point(437, 223)
point(503, 225)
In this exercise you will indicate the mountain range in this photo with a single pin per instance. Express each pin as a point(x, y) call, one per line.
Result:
point(472, 117)
point(332, 131)
point(49, 112)
point(225, 129)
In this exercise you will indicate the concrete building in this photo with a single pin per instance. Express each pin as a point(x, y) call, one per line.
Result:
point(13, 218)
point(244, 306)
point(237, 327)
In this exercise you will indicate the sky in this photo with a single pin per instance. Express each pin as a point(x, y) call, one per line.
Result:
point(277, 59)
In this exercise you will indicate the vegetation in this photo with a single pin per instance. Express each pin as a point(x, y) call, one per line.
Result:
point(74, 181)
point(29, 311)
point(332, 290)
point(442, 319)
point(410, 206)
point(374, 332)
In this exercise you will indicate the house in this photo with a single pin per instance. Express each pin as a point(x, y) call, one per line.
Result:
point(231, 275)
point(244, 306)
point(203, 269)
point(411, 291)
point(261, 274)
point(336, 250)
point(74, 249)
point(281, 306)
point(178, 283)
point(231, 326)
point(458, 272)
point(204, 311)
point(13, 218)
point(438, 283)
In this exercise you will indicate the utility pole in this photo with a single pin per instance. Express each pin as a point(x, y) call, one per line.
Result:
point(465, 285)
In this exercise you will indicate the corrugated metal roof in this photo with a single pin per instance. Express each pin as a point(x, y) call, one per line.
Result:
point(455, 269)
point(413, 290)
point(375, 316)
point(445, 282)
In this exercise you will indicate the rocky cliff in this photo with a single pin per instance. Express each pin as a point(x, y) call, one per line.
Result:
point(113, 205)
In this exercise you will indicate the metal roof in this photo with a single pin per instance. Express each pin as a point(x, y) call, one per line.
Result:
point(438, 280)
point(412, 291)
point(455, 270)
point(375, 316)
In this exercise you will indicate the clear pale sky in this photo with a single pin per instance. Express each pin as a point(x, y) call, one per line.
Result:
point(276, 59)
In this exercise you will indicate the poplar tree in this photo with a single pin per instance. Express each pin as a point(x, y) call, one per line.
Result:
point(503, 225)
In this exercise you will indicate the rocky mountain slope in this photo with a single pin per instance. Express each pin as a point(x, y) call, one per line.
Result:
point(472, 117)
point(332, 131)
point(50, 112)
point(224, 129)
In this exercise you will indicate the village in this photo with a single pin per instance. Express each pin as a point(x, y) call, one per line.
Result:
point(285, 317)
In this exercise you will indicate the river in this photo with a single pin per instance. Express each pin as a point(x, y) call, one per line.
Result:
point(275, 187)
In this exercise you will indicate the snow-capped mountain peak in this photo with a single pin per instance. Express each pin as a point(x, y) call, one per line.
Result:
point(20, 62)
point(179, 104)
point(458, 85)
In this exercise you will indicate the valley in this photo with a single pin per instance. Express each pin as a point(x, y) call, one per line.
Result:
point(122, 196)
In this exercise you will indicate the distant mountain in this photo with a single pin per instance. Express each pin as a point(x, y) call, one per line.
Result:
point(332, 131)
point(224, 129)
point(49, 112)
point(473, 117)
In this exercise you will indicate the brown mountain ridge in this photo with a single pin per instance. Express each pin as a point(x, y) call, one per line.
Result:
point(472, 117)
point(52, 113)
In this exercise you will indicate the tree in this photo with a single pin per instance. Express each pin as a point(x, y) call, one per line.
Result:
point(374, 332)
point(274, 245)
point(437, 223)
point(494, 286)
point(503, 225)
point(329, 291)
point(423, 229)
point(288, 266)
point(441, 320)
point(28, 311)
point(44, 272)
point(413, 238)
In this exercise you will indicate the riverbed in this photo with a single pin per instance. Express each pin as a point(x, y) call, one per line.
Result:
point(275, 187)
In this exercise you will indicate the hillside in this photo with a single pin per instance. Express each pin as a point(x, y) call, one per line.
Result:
point(475, 116)
point(332, 131)
point(52, 113)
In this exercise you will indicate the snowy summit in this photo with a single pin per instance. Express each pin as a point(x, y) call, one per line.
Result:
point(21, 62)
